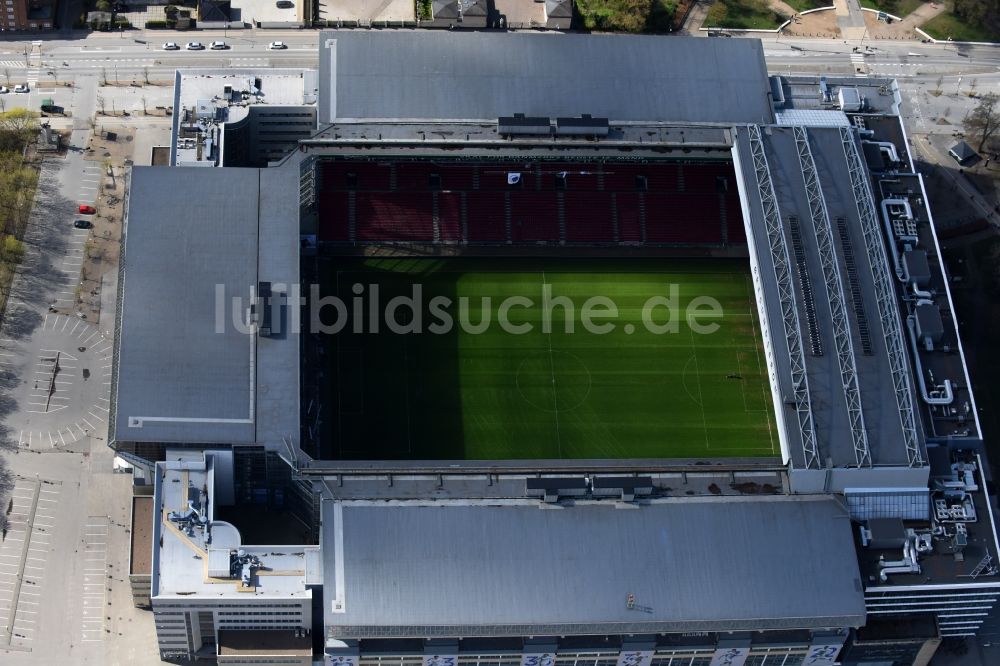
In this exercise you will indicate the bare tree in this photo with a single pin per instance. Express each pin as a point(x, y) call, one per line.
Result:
point(983, 122)
point(104, 76)
point(6, 75)
point(145, 75)
point(144, 112)
point(100, 105)
point(938, 84)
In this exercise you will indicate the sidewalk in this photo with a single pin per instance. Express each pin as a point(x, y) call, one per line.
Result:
point(696, 19)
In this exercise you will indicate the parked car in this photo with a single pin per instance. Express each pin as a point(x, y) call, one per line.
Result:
point(82, 224)
point(285, 4)
point(87, 210)
point(170, 46)
point(194, 46)
point(4, 90)
point(22, 88)
point(277, 46)
point(219, 46)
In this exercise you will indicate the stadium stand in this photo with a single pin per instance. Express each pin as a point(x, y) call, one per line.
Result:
point(537, 203)
point(589, 217)
point(485, 217)
point(534, 216)
point(334, 222)
point(675, 218)
point(630, 205)
point(449, 216)
point(395, 215)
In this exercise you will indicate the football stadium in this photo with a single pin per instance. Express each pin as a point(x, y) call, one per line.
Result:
point(584, 350)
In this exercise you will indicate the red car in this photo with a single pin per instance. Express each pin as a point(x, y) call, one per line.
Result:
point(87, 210)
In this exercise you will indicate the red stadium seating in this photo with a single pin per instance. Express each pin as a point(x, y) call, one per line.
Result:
point(370, 175)
point(485, 217)
point(534, 216)
point(449, 217)
point(629, 221)
point(414, 175)
point(456, 177)
point(334, 224)
point(473, 203)
point(621, 177)
point(673, 218)
point(589, 217)
point(703, 178)
point(394, 216)
point(662, 177)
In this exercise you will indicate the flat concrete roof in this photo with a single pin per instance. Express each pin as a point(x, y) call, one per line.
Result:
point(480, 76)
point(181, 377)
point(183, 559)
point(495, 568)
point(185, 372)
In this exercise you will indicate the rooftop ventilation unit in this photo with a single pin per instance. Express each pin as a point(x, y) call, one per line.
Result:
point(585, 125)
point(520, 125)
point(551, 489)
point(625, 487)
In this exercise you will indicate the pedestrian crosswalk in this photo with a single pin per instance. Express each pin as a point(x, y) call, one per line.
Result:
point(12, 63)
point(34, 64)
point(858, 63)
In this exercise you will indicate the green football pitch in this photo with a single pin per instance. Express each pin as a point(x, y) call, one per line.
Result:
point(530, 391)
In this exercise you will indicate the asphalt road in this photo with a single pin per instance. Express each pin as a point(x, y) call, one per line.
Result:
point(130, 52)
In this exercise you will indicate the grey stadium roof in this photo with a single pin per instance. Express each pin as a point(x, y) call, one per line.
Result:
point(479, 76)
point(412, 569)
point(192, 230)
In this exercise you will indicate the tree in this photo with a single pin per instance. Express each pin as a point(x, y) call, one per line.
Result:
point(983, 123)
point(103, 6)
point(18, 121)
point(100, 104)
point(6, 75)
point(104, 76)
point(144, 111)
point(145, 75)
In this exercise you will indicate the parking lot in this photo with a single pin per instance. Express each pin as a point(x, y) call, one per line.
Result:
point(60, 375)
point(95, 573)
point(24, 553)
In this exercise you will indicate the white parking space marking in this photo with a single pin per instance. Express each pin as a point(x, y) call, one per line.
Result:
point(95, 569)
point(23, 558)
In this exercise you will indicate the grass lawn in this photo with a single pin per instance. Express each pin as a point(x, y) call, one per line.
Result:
point(499, 395)
point(745, 14)
point(949, 25)
point(625, 15)
point(900, 8)
point(805, 5)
